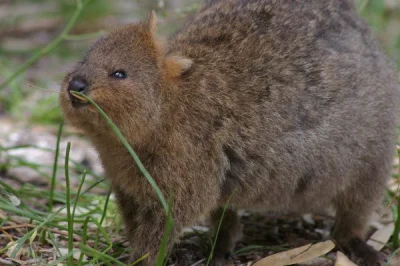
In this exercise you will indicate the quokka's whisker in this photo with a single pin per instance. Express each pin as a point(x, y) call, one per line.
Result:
point(37, 87)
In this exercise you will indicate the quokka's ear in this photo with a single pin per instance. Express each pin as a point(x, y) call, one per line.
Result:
point(176, 65)
point(151, 22)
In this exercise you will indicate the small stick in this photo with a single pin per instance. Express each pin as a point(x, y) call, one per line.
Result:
point(56, 231)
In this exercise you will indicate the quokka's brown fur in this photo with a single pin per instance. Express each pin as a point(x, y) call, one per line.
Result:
point(290, 103)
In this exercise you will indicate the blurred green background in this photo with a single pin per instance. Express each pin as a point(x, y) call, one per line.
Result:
point(27, 26)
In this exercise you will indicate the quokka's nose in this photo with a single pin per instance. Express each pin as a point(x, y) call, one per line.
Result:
point(78, 85)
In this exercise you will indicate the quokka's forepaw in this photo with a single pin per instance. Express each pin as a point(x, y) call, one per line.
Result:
point(364, 255)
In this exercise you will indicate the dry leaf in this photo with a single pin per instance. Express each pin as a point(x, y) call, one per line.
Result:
point(342, 260)
point(381, 237)
point(297, 255)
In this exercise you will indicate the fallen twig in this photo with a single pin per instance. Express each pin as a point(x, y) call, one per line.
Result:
point(56, 231)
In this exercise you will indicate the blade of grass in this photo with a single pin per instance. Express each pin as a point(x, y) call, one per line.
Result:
point(84, 239)
point(142, 258)
point(68, 200)
point(78, 194)
point(53, 177)
point(169, 224)
point(139, 163)
point(219, 227)
point(103, 215)
point(31, 239)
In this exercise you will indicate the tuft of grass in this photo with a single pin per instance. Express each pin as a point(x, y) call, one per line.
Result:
point(48, 221)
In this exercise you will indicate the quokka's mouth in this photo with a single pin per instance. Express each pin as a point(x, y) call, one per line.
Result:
point(77, 100)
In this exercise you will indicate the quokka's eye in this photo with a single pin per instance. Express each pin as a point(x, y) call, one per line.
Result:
point(119, 74)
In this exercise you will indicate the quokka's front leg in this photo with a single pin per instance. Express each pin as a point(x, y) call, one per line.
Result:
point(145, 223)
point(144, 227)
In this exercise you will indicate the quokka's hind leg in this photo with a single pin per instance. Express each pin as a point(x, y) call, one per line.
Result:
point(229, 233)
point(353, 211)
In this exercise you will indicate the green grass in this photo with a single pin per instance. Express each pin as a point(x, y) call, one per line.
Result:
point(78, 213)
